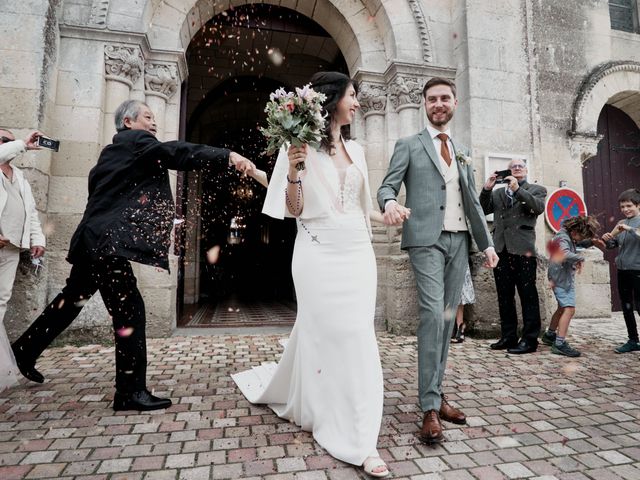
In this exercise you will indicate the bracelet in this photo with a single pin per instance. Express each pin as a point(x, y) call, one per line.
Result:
point(299, 181)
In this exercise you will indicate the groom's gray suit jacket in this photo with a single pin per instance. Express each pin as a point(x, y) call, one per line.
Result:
point(416, 163)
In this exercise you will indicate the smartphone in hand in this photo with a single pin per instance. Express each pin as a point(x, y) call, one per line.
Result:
point(50, 143)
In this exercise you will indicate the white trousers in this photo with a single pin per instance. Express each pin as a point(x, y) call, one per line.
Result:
point(9, 259)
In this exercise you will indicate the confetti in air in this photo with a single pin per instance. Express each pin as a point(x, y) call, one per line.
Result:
point(276, 57)
point(213, 254)
point(125, 332)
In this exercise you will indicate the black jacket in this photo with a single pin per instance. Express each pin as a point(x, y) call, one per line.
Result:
point(514, 227)
point(130, 209)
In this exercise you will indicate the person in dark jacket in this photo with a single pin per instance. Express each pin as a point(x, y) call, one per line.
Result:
point(515, 212)
point(129, 217)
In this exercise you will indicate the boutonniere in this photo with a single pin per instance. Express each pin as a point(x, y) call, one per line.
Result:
point(463, 159)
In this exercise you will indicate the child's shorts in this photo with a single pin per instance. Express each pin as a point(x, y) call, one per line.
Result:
point(565, 298)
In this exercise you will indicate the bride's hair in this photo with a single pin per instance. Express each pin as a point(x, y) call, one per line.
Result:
point(333, 85)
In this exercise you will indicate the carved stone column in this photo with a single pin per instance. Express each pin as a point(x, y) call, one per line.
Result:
point(373, 103)
point(160, 84)
point(123, 66)
point(405, 94)
point(159, 289)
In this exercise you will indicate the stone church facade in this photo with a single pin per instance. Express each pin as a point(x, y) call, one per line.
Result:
point(533, 78)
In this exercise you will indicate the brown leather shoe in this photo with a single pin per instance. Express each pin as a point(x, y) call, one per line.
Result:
point(431, 431)
point(449, 413)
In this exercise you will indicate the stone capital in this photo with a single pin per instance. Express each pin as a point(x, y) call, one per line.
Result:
point(161, 79)
point(122, 62)
point(372, 98)
point(584, 145)
point(405, 91)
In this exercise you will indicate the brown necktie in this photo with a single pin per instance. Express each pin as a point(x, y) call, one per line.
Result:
point(444, 150)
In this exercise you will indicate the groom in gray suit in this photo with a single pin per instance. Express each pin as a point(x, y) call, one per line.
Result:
point(444, 208)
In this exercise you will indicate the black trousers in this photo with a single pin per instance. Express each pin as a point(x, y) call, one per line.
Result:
point(518, 271)
point(629, 292)
point(115, 280)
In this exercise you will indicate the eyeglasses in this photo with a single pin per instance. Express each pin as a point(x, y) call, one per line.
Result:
point(518, 167)
point(6, 139)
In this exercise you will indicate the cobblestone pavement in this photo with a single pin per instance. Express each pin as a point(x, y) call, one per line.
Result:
point(534, 416)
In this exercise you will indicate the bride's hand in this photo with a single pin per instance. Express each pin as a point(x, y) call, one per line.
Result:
point(297, 155)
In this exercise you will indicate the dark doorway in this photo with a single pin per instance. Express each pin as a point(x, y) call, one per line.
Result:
point(235, 61)
point(615, 168)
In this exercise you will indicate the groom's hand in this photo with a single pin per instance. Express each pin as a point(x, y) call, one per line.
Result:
point(491, 258)
point(394, 213)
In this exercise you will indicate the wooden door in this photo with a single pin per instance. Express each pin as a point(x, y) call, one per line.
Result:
point(615, 168)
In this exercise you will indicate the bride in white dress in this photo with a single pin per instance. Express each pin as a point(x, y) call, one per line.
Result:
point(329, 380)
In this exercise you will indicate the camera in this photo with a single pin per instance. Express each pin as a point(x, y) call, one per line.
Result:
point(501, 175)
point(49, 143)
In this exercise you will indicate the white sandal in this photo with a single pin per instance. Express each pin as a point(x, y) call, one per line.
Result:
point(371, 463)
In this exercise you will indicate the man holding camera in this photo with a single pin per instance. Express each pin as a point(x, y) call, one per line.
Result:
point(515, 212)
point(19, 223)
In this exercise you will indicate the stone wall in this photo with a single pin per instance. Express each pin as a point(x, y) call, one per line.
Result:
point(519, 65)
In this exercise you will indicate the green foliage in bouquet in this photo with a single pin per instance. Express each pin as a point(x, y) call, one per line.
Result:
point(294, 118)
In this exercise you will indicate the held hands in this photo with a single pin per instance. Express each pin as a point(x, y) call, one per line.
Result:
point(490, 258)
point(37, 251)
point(242, 164)
point(4, 241)
point(395, 214)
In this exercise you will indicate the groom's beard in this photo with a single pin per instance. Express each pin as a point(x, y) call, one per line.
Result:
point(443, 120)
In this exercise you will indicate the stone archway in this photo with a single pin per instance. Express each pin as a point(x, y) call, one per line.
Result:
point(613, 83)
point(362, 29)
point(231, 76)
point(605, 113)
point(390, 60)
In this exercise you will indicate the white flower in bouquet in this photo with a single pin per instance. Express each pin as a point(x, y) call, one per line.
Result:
point(294, 118)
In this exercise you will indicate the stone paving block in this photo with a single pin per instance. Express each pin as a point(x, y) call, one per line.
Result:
point(46, 471)
point(80, 468)
point(114, 466)
point(198, 473)
point(162, 475)
point(431, 465)
point(40, 457)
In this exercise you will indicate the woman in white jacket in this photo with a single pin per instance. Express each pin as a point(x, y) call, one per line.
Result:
point(19, 217)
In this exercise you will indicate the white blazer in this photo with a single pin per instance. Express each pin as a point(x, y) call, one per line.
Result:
point(317, 204)
point(32, 232)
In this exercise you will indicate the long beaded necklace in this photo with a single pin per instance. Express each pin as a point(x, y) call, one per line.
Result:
point(314, 238)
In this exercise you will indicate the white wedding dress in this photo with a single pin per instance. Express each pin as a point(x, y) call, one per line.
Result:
point(329, 380)
point(8, 368)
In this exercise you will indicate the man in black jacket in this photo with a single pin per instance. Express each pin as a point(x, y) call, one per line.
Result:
point(129, 217)
point(515, 212)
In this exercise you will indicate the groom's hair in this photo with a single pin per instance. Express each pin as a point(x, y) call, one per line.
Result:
point(438, 81)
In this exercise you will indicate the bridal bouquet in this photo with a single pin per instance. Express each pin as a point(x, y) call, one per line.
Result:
point(294, 118)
